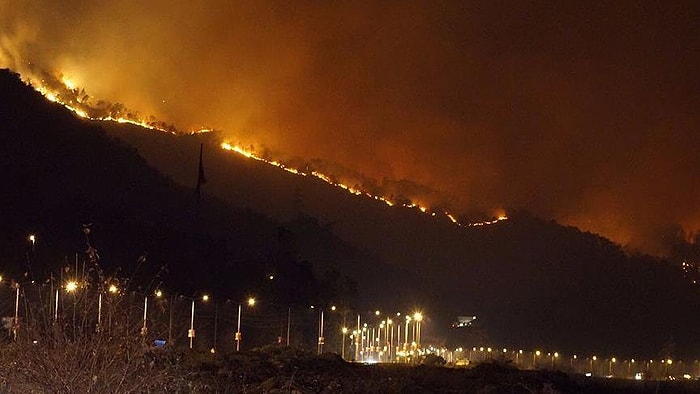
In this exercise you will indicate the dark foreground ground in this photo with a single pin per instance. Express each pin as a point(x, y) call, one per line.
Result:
point(285, 370)
point(278, 371)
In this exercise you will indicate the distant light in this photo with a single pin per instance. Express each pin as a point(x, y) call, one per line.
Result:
point(537, 353)
point(32, 238)
point(205, 297)
point(251, 301)
point(333, 308)
point(418, 316)
point(71, 286)
point(159, 293)
point(271, 277)
point(113, 289)
point(376, 312)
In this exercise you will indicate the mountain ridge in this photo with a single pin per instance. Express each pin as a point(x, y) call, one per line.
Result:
point(532, 282)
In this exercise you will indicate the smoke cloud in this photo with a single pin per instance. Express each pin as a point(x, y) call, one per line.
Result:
point(585, 113)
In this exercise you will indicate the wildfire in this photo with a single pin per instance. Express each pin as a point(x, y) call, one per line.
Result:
point(64, 91)
point(329, 180)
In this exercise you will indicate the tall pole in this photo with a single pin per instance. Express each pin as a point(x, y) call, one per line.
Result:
point(238, 331)
point(15, 325)
point(358, 335)
point(190, 333)
point(418, 330)
point(405, 341)
point(170, 320)
point(320, 334)
point(289, 322)
point(55, 310)
point(345, 331)
point(398, 337)
point(391, 345)
point(99, 312)
point(144, 328)
point(216, 325)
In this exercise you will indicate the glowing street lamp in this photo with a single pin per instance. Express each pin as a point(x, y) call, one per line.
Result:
point(191, 332)
point(251, 302)
point(610, 366)
point(345, 332)
point(418, 317)
point(71, 286)
point(534, 358)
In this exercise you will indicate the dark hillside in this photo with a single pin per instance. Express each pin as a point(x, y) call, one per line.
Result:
point(60, 172)
point(533, 283)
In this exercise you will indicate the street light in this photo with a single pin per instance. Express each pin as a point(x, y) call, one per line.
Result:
point(610, 367)
point(251, 302)
point(534, 358)
point(320, 333)
point(418, 317)
point(405, 340)
point(345, 332)
point(71, 286)
point(15, 322)
point(191, 332)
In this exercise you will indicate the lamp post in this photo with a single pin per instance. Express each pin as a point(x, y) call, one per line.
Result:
point(358, 336)
point(390, 340)
point(405, 341)
point(72, 287)
point(418, 317)
point(534, 359)
point(345, 332)
point(191, 332)
point(15, 322)
point(144, 327)
point(610, 366)
point(251, 302)
point(320, 333)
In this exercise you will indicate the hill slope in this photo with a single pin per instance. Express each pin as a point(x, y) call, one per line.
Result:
point(531, 282)
point(61, 172)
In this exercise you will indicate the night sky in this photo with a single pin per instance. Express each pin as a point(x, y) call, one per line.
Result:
point(583, 112)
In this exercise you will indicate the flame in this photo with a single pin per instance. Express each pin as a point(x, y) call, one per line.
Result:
point(66, 93)
point(501, 216)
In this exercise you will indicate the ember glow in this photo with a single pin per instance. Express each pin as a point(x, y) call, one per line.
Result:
point(583, 113)
point(80, 104)
point(328, 179)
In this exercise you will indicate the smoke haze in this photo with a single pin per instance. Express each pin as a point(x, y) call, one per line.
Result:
point(585, 113)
